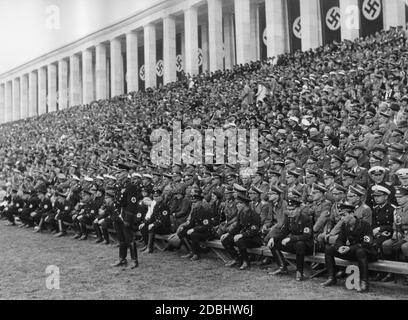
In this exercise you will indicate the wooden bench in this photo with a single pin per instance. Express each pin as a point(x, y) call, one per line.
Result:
point(218, 249)
point(378, 266)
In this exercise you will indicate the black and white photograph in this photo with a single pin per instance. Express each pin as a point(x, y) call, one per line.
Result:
point(203, 155)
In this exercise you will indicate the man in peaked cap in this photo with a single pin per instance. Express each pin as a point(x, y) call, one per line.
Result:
point(320, 208)
point(351, 164)
point(378, 177)
point(355, 243)
point(399, 239)
point(355, 196)
point(382, 221)
point(296, 236)
point(245, 234)
point(261, 208)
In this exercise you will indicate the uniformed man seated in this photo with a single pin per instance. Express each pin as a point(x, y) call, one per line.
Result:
point(156, 221)
point(295, 236)
point(383, 219)
point(199, 226)
point(11, 210)
point(355, 243)
point(244, 235)
point(399, 240)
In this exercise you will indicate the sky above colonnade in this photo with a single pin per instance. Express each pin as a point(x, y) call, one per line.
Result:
point(30, 28)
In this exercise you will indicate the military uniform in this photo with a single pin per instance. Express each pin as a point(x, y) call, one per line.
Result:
point(299, 230)
point(248, 225)
point(202, 221)
point(383, 218)
point(228, 217)
point(361, 243)
point(160, 219)
point(31, 205)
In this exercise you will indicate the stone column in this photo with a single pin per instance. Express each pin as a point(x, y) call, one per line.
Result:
point(62, 84)
point(255, 46)
point(74, 81)
point(100, 72)
point(169, 49)
point(32, 95)
point(191, 40)
point(394, 13)
point(2, 102)
point(24, 96)
point(117, 87)
point(132, 60)
point(215, 34)
point(8, 101)
point(205, 47)
point(228, 41)
point(16, 99)
point(52, 87)
point(276, 27)
point(150, 55)
point(310, 17)
point(42, 90)
point(243, 30)
point(87, 77)
point(350, 19)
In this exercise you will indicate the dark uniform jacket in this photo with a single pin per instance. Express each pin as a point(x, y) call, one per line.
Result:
point(44, 207)
point(141, 212)
point(130, 198)
point(161, 217)
point(361, 236)
point(383, 217)
point(298, 228)
point(248, 224)
point(201, 219)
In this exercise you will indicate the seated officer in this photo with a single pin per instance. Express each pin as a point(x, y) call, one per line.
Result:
point(228, 212)
point(296, 236)
point(245, 234)
point(156, 221)
point(329, 234)
point(199, 226)
point(89, 214)
point(383, 219)
point(11, 210)
point(31, 205)
point(355, 243)
point(103, 221)
point(399, 241)
point(63, 214)
point(44, 207)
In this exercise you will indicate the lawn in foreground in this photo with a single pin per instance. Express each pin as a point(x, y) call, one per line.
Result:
point(85, 274)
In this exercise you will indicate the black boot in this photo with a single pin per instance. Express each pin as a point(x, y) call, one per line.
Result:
point(98, 233)
point(280, 260)
point(133, 255)
point(150, 242)
point(122, 256)
point(105, 233)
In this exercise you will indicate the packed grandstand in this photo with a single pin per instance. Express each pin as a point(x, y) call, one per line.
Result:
point(333, 140)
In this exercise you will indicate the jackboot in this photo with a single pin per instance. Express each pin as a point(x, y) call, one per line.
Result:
point(133, 255)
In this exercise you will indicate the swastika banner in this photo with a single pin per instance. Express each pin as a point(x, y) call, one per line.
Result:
point(371, 16)
point(295, 25)
point(140, 63)
point(159, 62)
point(331, 24)
point(262, 32)
point(179, 57)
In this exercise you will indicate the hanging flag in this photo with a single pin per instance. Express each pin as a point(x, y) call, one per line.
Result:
point(295, 26)
point(159, 62)
point(179, 57)
point(141, 68)
point(262, 34)
point(331, 24)
point(371, 16)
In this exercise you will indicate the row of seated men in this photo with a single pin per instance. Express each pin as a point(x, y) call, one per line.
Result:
point(337, 222)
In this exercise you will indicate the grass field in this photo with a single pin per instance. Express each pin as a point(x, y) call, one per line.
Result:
point(85, 274)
